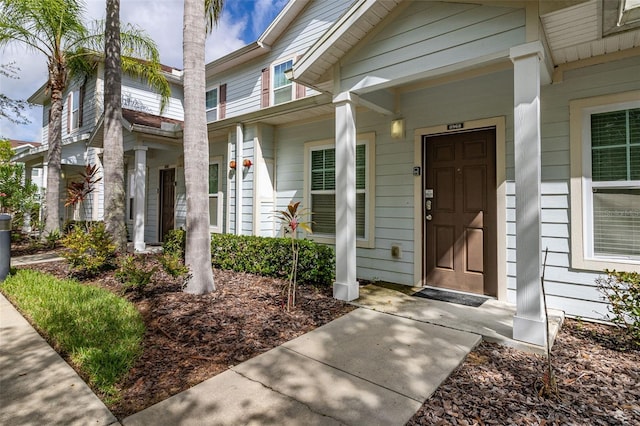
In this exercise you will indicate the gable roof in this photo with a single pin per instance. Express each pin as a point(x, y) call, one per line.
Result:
point(264, 42)
point(352, 27)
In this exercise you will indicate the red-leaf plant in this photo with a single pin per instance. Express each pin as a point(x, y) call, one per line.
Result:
point(292, 219)
point(77, 192)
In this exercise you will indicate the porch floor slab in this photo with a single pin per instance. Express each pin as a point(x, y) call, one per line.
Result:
point(493, 320)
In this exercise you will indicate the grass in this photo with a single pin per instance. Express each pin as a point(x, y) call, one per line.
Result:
point(101, 332)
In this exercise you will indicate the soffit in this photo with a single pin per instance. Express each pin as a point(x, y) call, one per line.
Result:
point(586, 30)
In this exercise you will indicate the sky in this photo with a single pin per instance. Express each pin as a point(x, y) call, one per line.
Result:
point(242, 22)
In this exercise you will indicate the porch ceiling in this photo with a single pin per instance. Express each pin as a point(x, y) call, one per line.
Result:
point(588, 29)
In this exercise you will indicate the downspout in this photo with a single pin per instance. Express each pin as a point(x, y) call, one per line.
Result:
point(239, 149)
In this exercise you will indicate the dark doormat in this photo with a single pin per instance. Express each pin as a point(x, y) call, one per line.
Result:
point(451, 297)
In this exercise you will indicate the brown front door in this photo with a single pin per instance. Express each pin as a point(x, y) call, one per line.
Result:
point(167, 201)
point(460, 211)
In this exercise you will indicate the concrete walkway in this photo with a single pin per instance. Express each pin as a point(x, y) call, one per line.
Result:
point(365, 368)
point(37, 387)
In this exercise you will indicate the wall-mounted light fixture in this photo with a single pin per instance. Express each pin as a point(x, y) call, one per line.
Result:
point(232, 164)
point(397, 128)
point(247, 163)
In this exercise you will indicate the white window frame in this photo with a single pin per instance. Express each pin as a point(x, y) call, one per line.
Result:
point(369, 140)
point(273, 82)
point(74, 109)
point(582, 256)
point(217, 228)
point(217, 107)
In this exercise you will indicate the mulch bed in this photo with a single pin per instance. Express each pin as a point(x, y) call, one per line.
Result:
point(192, 338)
point(598, 376)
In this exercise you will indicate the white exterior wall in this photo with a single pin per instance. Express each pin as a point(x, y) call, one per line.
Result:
point(567, 288)
point(137, 95)
point(431, 35)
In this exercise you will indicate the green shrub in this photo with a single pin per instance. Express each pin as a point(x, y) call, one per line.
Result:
point(134, 272)
point(272, 257)
point(174, 242)
point(102, 333)
point(89, 251)
point(622, 290)
point(173, 264)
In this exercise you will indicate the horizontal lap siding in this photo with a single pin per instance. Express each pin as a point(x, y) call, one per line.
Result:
point(244, 81)
point(138, 96)
point(569, 289)
point(431, 35)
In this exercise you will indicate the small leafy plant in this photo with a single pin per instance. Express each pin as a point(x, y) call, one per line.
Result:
point(134, 272)
point(622, 290)
point(89, 251)
point(292, 219)
point(77, 192)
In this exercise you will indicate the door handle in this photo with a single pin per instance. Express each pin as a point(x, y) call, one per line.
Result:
point(428, 217)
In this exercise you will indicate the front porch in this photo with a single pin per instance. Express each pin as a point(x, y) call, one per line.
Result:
point(493, 320)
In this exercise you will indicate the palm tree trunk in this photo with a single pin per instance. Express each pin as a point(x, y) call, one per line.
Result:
point(114, 197)
point(52, 196)
point(196, 151)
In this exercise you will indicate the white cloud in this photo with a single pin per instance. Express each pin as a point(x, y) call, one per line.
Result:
point(162, 20)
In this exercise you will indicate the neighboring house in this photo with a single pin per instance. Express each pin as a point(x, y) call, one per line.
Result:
point(20, 147)
point(82, 132)
point(33, 174)
point(444, 143)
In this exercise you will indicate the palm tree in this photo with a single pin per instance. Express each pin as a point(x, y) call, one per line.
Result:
point(196, 144)
point(56, 29)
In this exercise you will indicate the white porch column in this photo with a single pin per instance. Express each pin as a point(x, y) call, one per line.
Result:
point(26, 220)
point(43, 192)
point(529, 321)
point(140, 180)
point(345, 286)
point(239, 172)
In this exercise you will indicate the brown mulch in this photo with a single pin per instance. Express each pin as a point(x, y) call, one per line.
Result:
point(598, 377)
point(190, 338)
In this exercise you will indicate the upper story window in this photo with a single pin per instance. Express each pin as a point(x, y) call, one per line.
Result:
point(74, 109)
point(606, 205)
point(216, 103)
point(276, 88)
point(282, 86)
point(212, 104)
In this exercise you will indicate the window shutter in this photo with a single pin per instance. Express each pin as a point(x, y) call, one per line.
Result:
point(69, 106)
point(80, 105)
point(222, 99)
point(266, 80)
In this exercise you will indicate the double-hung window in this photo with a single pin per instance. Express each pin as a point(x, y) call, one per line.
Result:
point(320, 181)
point(211, 100)
point(74, 109)
point(215, 196)
point(282, 86)
point(610, 193)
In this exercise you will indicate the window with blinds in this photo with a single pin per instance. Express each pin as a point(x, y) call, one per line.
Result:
point(615, 183)
point(323, 190)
